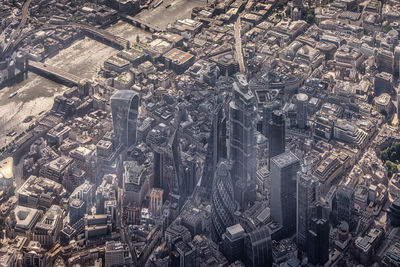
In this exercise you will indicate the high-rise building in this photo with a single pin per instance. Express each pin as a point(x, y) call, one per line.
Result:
point(268, 108)
point(306, 197)
point(233, 243)
point(242, 140)
point(117, 254)
point(183, 255)
point(398, 104)
point(135, 183)
point(222, 201)
point(77, 209)
point(284, 168)
point(276, 135)
point(124, 108)
point(216, 148)
point(156, 139)
point(385, 60)
point(156, 201)
point(167, 163)
point(318, 239)
point(258, 248)
point(345, 204)
point(301, 114)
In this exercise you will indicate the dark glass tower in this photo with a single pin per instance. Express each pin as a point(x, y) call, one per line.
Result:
point(394, 213)
point(345, 204)
point(284, 168)
point(276, 135)
point(124, 108)
point(222, 201)
point(259, 248)
point(268, 108)
point(306, 197)
point(233, 243)
point(242, 140)
point(301, 115)
point(216, 149)
point(318, 239)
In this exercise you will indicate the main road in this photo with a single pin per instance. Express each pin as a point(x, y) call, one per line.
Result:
point(238, 45)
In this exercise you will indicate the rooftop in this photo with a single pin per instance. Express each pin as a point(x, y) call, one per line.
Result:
point(285, 159)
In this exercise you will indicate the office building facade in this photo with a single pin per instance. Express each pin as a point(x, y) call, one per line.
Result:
point(306, 197)
point(124, 108)
point(276, 135)
point(284, 168)
point(242, 140)
point(223, 204)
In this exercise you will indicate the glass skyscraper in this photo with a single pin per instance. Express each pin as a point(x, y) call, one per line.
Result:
point(306, 197)
point(124, 108)
point(284, 168)
point(242, 140)
point(223, 204)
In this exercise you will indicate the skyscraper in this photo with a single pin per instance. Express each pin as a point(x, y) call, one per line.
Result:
point(222, 201)
point(345, 204)
point(276, 135)
point(259, 248)
point(284, 168)
point(124, 108)
point(268, 108)
point(216, 148)
point(233, 242)
point(318, 239)
point(398, 104)
point(306, 196)
point(242, 140)
point(301, 115)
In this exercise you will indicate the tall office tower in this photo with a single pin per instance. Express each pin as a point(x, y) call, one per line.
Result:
point(233, 243)
point(345, 204)
point(318, 239)
point(242, 141)
point(276, 136)
point(284, 168)
point(167, 164)
point(77, 209)
point(222, 201)
point(396, 60)
point(124, 108)
point(156, 139)
point(268, 108)
point(216, 148)
point(398, 103)
point(258, 248)
point(156, 201)
point(173, 173)
point(301, 115)
point(306, 197)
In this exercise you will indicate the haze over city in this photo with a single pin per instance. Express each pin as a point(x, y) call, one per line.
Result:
point(199, 133)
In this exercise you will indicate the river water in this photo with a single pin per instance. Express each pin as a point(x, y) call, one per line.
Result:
point(35, 95)
point(83, 58)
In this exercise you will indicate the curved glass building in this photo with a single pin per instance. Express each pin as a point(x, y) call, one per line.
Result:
point(223, 204)
point(259, 248)
point(124, 108)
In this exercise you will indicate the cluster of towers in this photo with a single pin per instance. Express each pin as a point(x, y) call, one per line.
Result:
point(293, 189)
point(229, 175)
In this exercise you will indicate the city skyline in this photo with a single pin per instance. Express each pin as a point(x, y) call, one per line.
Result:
point(192, 133)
